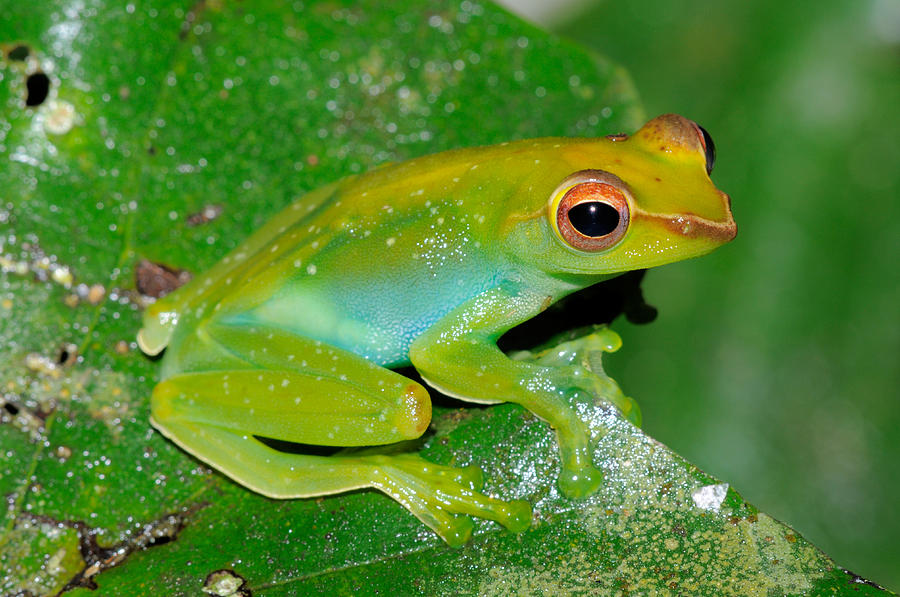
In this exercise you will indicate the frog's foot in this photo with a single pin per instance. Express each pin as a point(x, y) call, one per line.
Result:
point(443, 497)
point(584, 353)
point(556, 385)
point(574, 366)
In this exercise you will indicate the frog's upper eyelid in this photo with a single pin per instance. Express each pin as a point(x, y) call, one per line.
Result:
point(589, 176)
point(582, 176)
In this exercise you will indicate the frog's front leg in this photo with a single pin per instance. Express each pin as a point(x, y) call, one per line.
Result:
point(459, 356)
point(298, 390)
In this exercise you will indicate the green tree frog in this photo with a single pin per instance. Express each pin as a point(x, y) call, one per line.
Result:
point(294, 334)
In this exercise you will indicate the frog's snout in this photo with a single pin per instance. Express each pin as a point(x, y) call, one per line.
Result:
point(694, 227)
point(729, 226)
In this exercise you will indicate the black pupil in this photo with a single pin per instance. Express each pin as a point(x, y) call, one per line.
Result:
point(710, 150)
point(594, 218)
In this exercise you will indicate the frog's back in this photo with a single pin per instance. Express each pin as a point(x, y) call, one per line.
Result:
point(368, 262)
point(196, 299)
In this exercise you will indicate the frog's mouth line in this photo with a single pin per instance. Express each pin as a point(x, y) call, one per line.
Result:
point(694, 226)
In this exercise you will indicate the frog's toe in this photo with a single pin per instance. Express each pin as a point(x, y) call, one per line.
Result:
point(457, 531)
point(580, 483)
point(517, 516)
point(470, 476)
point(631, 411)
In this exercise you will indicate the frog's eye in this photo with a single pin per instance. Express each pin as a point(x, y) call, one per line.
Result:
point(708, 146)
point(589, 210)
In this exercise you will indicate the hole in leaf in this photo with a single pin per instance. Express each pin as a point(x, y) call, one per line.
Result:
point(18, 53)
point(159, 540)
point(38, 85)
point(67, 355)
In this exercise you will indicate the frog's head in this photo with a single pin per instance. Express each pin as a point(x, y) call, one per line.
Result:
point(631, 202)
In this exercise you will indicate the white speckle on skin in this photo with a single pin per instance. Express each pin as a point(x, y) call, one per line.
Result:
point(390, 241)
point(710, 497)
point(311, 269)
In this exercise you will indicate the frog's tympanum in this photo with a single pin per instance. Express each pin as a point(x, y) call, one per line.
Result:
point(294, 334)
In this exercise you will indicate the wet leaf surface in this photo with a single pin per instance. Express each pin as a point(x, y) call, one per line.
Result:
point(120, 125)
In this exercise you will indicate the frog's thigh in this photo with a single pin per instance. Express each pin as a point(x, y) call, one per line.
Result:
point(293, 406)
point(278, 385)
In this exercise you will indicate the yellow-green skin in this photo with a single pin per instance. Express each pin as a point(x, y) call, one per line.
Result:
point(425, 262)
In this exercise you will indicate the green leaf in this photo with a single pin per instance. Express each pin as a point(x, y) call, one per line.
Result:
point(155, 113)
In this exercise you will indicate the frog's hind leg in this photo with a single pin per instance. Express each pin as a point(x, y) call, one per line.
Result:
point(323, 396)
